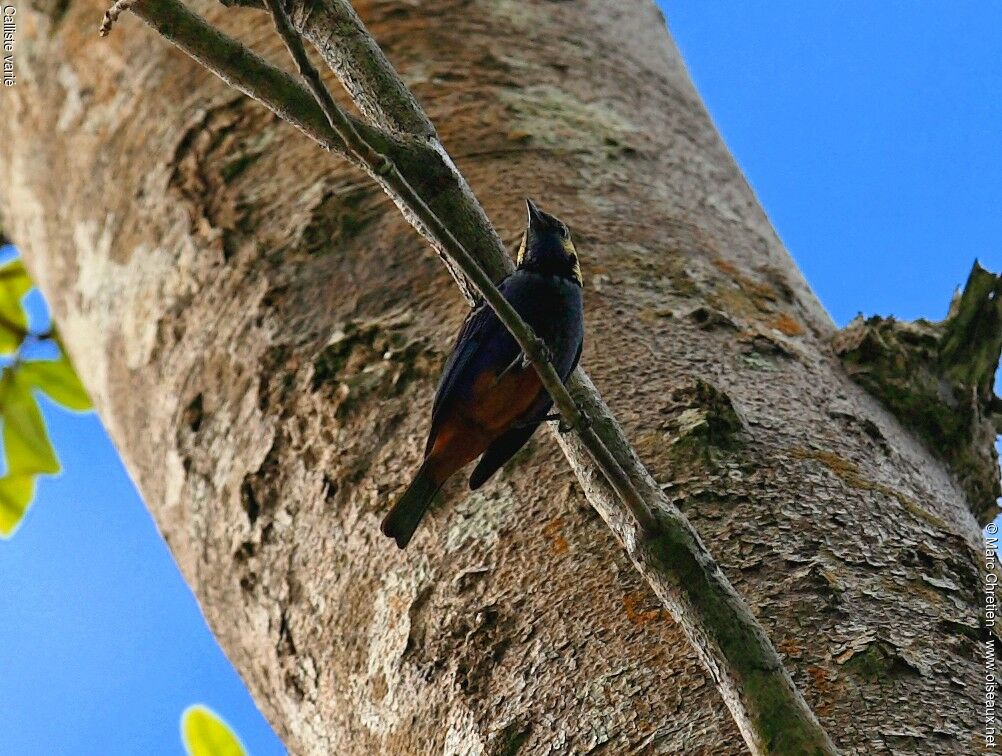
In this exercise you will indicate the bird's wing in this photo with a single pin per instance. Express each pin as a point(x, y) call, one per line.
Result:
point(577, 358)
point(470, 336)
point(483, 344)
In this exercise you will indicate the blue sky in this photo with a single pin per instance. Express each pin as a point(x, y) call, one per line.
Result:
point(869, 131)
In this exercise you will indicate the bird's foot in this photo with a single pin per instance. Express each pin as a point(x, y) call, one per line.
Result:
point(544, 350)
point(522, 361)
point(515, 363)
point(583, 423)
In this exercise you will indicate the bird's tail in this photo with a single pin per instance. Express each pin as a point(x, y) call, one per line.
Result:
point(403, 519)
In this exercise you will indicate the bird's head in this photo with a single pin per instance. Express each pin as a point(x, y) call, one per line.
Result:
point(547, 246)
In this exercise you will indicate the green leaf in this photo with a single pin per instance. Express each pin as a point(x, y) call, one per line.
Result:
point(206, 734)
point(25, 440)
point(27, 448)
point(16, 493)
point(57, 379)
point(10, 339)
point(13, 275)
point(14, 284)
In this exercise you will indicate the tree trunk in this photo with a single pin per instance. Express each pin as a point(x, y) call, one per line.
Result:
point(261, 332)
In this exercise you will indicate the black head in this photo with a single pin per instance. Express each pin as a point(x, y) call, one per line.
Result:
point(547, 246)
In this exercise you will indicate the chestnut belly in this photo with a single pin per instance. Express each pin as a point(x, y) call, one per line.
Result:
point(492, 408)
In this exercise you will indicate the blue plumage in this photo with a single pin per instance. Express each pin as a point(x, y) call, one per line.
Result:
point(489, 400)
point(550, 305)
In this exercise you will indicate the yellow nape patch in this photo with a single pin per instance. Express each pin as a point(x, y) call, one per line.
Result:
point(572, 252)
point(521, 249)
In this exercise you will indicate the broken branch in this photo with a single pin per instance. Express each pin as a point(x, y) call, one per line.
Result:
point(938, 380)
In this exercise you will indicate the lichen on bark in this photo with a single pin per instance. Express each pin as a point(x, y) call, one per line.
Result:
point(938, 380)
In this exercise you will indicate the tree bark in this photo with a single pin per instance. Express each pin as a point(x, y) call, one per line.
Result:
point(261, 333)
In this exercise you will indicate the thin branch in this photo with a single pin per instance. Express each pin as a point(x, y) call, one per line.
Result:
point(767, 708)
point(337, 118)
point(242, 69)
point(337, 32)
point(419, 159)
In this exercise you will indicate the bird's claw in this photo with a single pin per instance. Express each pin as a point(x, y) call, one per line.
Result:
point(564, 427)
point(548, 355)
point(544, 351)
point(584, 422)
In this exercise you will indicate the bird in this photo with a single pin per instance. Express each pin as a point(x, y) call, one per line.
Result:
point(490, 399)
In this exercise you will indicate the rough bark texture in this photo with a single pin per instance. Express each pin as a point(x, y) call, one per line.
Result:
point(262, 331)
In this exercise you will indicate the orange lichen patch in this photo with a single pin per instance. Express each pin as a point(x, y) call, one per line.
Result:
point(726, 266)
point(914, 588)
point(824, 685)
point(845, 655)
point(789, 647)
point(518, 135)
point(849, 473)
point(552, 531)
point(785, 324)
point(758, 290)
point(753, 288)
point(734, 302)
point(747, 300)
point(398, 605)
point(633, 602)
point(819, 675)
point(844, 468)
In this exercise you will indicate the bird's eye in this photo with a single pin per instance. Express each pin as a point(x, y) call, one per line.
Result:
point(564, 232)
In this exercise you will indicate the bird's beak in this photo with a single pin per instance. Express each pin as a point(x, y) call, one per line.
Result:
point(536, 219)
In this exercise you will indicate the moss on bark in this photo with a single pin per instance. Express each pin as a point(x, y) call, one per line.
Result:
point(938, 379)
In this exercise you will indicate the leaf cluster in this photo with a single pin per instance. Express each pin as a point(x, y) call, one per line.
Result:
point(28, 452)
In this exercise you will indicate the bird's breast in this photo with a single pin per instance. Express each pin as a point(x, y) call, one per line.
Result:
point(552, 307)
